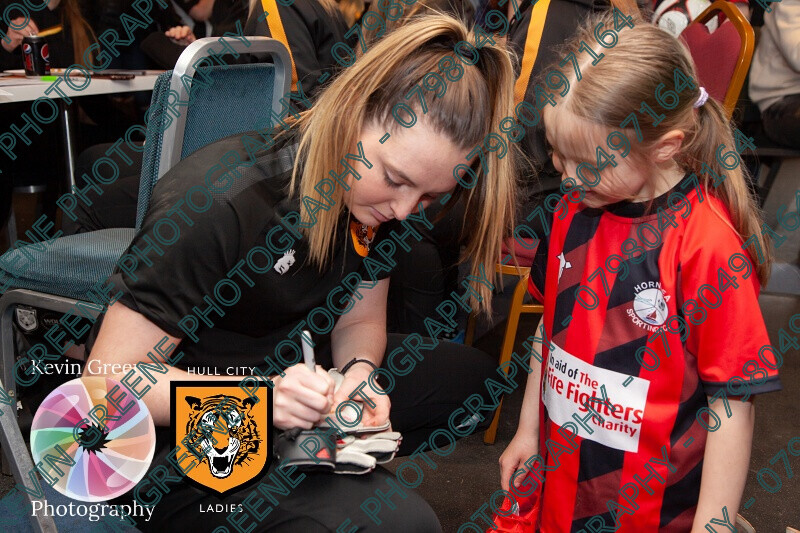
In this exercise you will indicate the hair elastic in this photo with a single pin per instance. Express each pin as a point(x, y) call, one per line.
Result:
point(702, 98)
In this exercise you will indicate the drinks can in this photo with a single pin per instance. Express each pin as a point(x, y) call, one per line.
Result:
point(35, 56)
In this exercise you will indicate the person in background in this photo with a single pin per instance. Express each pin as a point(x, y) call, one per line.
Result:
point(66, 46)
point(312, 27)
point(372, 31)
point(352, 10)
point(775, 74)
point(206, 18)
point(562, 20)
point(98, 118)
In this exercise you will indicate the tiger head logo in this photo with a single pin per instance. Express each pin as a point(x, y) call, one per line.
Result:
point(227, 434)
point(225, 430)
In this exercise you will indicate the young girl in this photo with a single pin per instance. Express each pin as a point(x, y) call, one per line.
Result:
point(651, 304)
point(353, 174)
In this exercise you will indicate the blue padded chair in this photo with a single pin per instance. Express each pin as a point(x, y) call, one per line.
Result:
point(232, 99)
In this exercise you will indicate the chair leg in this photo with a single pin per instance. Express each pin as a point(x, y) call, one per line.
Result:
point(22, 467)
point(11, 228)
point(509, 337)
point(774, 169)
point(469, 337)
point(7, 357)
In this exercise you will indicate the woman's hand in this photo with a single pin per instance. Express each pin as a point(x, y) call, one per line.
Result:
point(523, 446)
point(370, 416)
point(183, 35)
point(16, 32)
point(301, 398)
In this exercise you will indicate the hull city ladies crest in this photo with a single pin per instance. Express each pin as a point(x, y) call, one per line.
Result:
point(225, 431)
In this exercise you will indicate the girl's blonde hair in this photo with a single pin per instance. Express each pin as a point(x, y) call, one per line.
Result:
point(640, 66)
point(471, 108)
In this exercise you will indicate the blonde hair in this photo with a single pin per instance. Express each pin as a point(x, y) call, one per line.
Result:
point(82, 33)
point(471, 108)
point(643, 61)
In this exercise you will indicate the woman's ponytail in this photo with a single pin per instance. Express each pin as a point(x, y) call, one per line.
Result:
point(479, 101)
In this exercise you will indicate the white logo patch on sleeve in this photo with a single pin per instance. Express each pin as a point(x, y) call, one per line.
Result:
point(283, 264)
point(570, 382)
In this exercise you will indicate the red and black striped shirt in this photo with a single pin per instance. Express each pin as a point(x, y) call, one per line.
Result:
point(624, 287)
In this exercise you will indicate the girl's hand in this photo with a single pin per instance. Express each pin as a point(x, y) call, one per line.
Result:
point(301, 398)
point(523, 446)
point(183, 35)
point(16, 35)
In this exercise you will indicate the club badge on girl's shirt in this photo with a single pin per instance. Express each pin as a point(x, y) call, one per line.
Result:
point(649, 310)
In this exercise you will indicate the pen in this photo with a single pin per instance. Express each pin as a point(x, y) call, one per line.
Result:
point(308, 351)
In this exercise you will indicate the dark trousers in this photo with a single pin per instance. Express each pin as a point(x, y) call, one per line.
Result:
point(422, 401)
point(425, 276)
point(781, 121)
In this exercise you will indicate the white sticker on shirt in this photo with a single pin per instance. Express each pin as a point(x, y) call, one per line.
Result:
point(571, 382)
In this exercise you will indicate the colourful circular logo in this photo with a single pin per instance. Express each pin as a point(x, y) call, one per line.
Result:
point(101, 451)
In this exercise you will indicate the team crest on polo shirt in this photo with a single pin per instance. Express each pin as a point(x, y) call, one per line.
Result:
point(226, 431)
point(649, 306)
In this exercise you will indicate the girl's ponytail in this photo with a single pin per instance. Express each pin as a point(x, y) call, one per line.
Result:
point(649, 66)
point(713, 136)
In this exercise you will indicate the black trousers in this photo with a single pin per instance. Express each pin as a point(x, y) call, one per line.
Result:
point(425, 276)
point(421, 402)
point(781, 121)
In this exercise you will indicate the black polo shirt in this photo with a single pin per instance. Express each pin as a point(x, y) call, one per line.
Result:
point(184, 292)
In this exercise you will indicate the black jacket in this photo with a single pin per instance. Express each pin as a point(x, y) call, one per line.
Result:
point(564, 17)
point(311, 32)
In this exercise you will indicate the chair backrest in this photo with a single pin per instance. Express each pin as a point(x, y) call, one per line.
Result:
point(723, 57)
point(223, 100)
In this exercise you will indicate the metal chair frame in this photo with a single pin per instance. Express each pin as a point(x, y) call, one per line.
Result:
point(746, 48)
point(518, 307)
